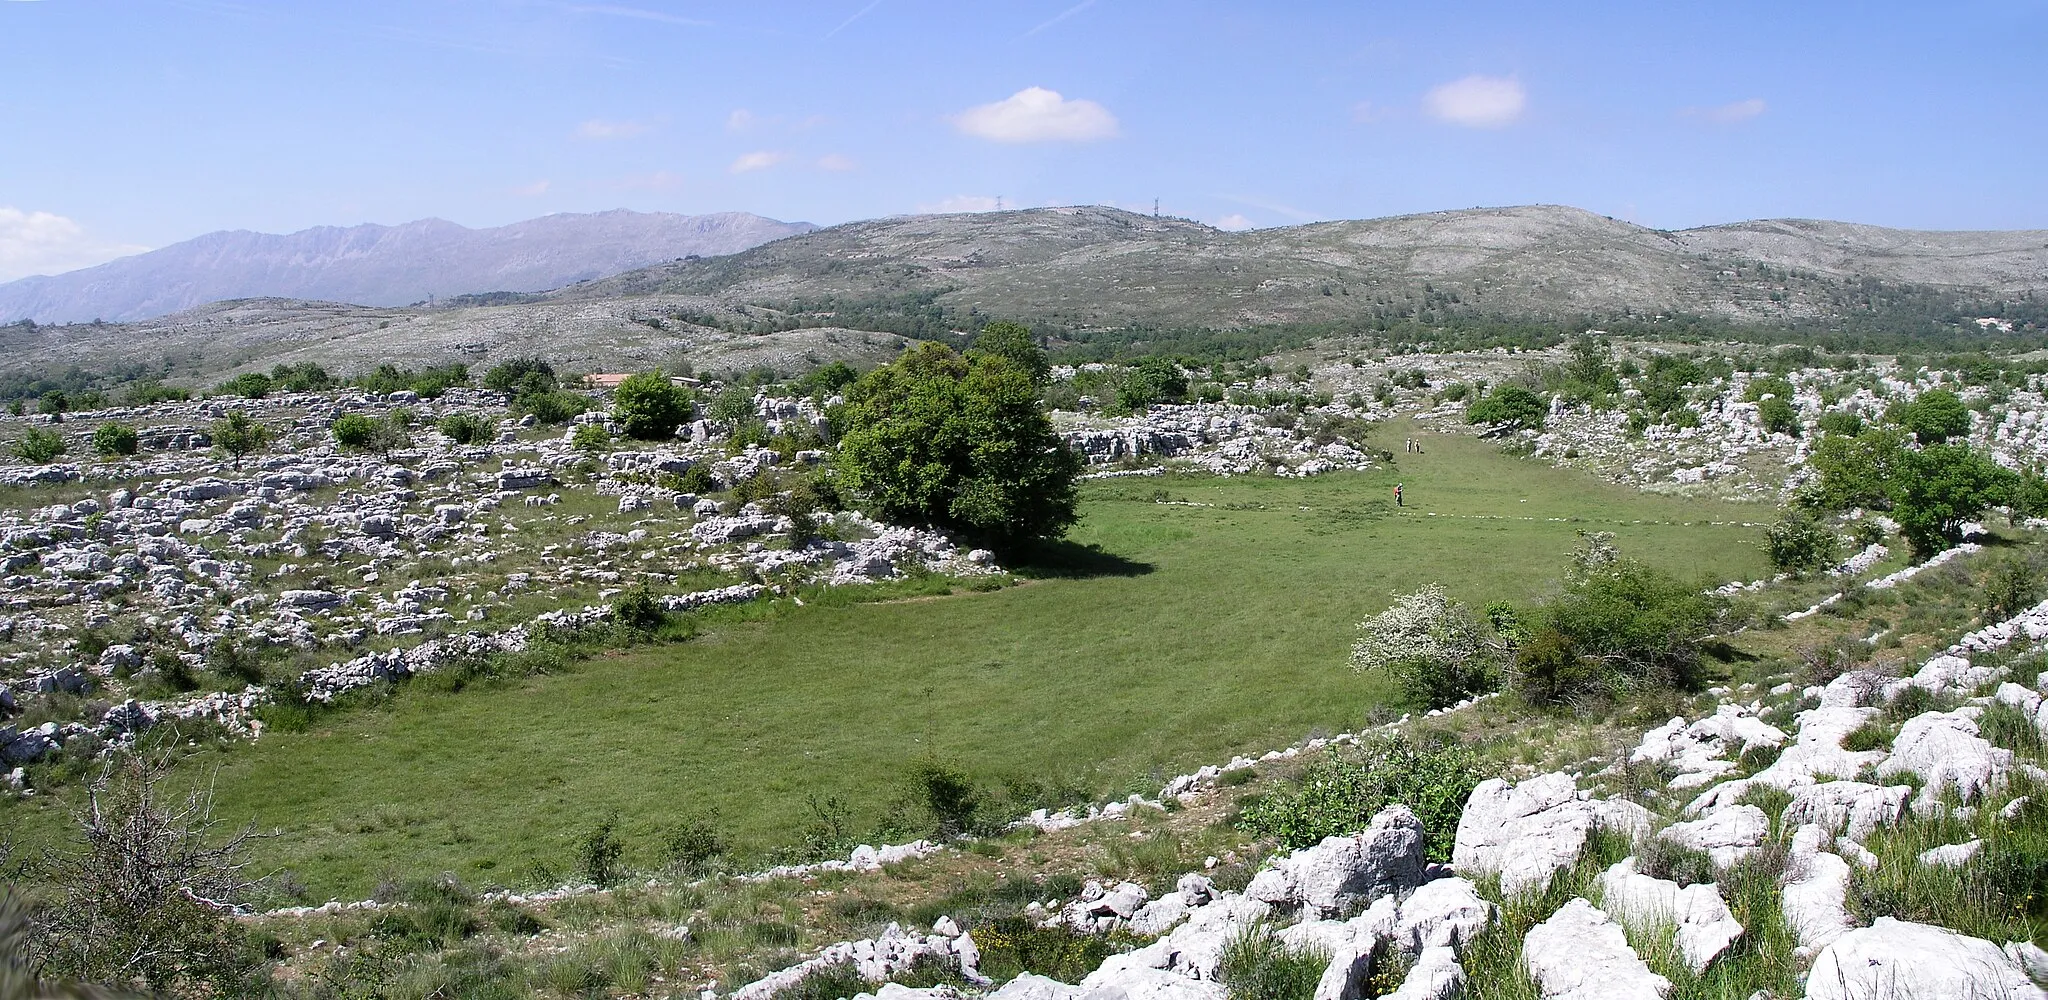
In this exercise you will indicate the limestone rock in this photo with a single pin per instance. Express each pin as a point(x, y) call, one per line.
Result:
point(1445, 912)
point(1861, 807)
point(1702, 924)
point(1580, 954)
point(1436, 975)
point(1899, 960)
point(1727, 835)
point(1343, 874)
point(1526, 832)
point(1816, 891)
point(1943, 748)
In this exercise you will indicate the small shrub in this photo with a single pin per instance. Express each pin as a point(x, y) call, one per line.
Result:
point(598, 853)
point(1340, 793)
point(115, 438)
point(948, 794)
point(933, 970)
point(1661, 858)
point(1256, 965)
point(832, 982)
point(2005, 726)
point(693, 847)
point(39, 445)
point(554, 406)
point(465, 428)
point(2014, 586)
point(1013, 946)
point(353, 430)
point(590, 439)
point(1801, 543)
point(638, 610)
point(1431, 645)
point(1872, 735)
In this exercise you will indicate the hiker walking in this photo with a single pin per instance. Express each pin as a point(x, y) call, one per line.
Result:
point(1397, 494)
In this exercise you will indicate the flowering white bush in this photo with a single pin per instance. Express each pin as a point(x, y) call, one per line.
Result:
point(1429, 643)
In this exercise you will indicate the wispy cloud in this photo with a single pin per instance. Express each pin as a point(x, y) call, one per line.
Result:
point(637, 13)
point(759, 160)
point(1061, 16)
point(1477, 101)
point(741, 120)
point(857, 15)
point(1368, 113)
point(1729, 114)
point(837, 163)
point(600, 129)
point(48, 243)
point(533, 190)
point(1235, 222)
point(1036, 114)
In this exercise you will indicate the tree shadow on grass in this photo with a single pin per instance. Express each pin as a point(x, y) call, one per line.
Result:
point(1066, 560)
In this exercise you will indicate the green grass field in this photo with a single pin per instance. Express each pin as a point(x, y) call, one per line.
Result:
point(1225, 631)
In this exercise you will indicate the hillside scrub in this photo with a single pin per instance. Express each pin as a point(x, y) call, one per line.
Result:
point(1341, 792)
point(1431, 645)
point(1618, 626)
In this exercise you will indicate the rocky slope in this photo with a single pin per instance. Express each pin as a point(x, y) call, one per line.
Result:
point(1093, 267)
point(382, 265)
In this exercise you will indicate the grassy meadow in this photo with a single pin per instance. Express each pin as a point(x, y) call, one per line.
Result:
point(1213, 623)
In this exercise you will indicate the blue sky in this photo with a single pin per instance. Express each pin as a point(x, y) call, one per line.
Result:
point(135, 124)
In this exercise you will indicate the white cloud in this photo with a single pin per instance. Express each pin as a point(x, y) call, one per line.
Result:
point(1235, 222)
point(1036, 114)
point(759, 160)
point(1729, 114)
point(598, 128)
point(741, 120)
point(46, 243)
point(836, 163)
point(533, 190)
point(1477, 101)
point(962, 203)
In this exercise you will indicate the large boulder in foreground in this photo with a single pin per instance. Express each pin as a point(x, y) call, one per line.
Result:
point(1898, 960)
point(1343, 875)
point(1525, 833)
point(1580, 954)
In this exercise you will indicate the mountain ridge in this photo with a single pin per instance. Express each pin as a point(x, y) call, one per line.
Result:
point(379, 265)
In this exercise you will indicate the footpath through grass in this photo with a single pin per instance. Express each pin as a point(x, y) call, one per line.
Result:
point(1220, 626)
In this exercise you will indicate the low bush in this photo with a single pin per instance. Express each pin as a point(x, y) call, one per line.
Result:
point(465, 428)
point(947, 794)
point(115, 438)
point(39, 446)
point(831, 982)
point(1341, 792)
point(1801, 543)
point(1257, 965)
point(1013, 946)
point(599, 853)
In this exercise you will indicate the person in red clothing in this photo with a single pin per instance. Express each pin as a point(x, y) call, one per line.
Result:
point(1397, 494)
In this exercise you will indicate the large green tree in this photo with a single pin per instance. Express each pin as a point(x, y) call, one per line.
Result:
point(958, 442)
point(1938, 488)
point(650, 406)
point(1935, 416)
point(1014, 341)
point(1509, 407)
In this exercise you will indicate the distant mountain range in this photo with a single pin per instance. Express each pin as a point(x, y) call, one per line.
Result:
point(382, 265)
point(1080, 275)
